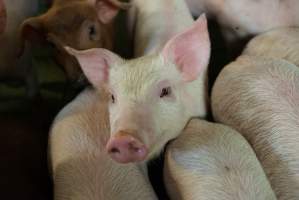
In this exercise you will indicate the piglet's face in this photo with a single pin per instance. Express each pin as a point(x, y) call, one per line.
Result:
point(149, 96)
point(79, 24)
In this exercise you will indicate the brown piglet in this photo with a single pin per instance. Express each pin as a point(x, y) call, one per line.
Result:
point(81, 24)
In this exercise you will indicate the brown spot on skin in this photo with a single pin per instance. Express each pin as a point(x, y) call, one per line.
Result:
point(3, 17)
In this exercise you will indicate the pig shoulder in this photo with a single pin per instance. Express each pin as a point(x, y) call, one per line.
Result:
point(214, 162)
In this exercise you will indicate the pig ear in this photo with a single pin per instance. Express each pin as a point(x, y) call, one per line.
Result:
point(31, 30)
point(108, 9)
point(95, 63)
point(190, 50)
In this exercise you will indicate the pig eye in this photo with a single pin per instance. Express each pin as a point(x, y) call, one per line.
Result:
point(165, 92)
point(112, 98)
point(91, 32)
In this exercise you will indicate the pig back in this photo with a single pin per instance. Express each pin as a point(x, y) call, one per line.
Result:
point(259, 97)
point(280, 43)
point(211, 161)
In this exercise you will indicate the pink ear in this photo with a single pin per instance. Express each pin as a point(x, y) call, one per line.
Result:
point(95, 63)
point(190, 50)
point(108, 9)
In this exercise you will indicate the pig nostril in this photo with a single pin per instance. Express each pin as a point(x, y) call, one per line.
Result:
point(114, 150)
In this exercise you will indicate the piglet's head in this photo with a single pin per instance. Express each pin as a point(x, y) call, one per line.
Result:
point(152, 97)
point(78, 24)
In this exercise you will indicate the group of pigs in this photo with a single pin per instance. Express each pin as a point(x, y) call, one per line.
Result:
point(101, 142)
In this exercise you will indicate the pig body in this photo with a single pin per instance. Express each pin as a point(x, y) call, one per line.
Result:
point(152, 97)
point(243, 18)
point(211, 161)
point(155, 22)
point(81, 24)
point(261, 101)
point(81, 167)
point(12, 14)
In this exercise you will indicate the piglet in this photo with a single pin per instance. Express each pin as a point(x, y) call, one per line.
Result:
point(81, 168)
point(12, 14)
point(81, 24)
point(151, 97)
point(258, 95)
point(211, 161)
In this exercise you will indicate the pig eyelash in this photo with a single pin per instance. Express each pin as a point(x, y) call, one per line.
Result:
point(165, 92)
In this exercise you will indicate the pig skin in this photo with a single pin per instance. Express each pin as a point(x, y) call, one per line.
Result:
point(211, 161)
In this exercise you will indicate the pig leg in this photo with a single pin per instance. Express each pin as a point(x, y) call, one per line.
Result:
point(261, 101)
point(210, 161)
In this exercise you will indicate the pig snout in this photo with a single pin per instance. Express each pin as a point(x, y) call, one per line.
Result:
point(125, 148)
